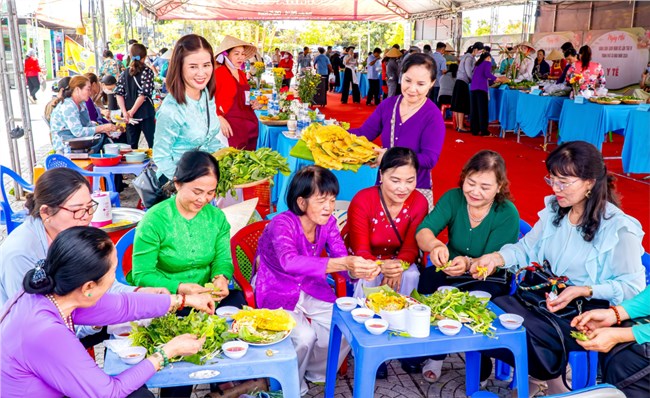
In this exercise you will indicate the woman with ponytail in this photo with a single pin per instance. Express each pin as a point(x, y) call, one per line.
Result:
point(134, 90)
point(68, 288)
point(69, 116)
point(581, 235)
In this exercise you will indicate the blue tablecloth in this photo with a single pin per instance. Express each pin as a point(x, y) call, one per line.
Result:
point(534, 112)
point(494, 105)
point(349, 182)
point(590, 122)
point(363, 84)
point(636, 155)
point(268, 137)
point(508, 109)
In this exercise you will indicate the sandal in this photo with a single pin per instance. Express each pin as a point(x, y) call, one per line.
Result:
point(431, 370)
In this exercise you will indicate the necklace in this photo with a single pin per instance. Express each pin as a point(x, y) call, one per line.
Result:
point(480, 219)
point(413, 110)
point(66, 319)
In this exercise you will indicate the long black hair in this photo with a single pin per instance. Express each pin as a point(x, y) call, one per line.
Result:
point(77, 255)
point(585, 56)
point(482, 58)
point(583, 160)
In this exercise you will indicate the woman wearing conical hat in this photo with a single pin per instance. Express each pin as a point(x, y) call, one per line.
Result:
point(238, 121)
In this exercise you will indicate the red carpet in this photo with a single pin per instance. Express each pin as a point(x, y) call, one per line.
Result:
point(525, 163)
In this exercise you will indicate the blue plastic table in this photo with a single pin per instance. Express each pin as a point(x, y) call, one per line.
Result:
point(590, 122)
point(534, 113)
point(370, 351)
point(349, 182)
point(282, 366)
point(123, 168)
point(636, 156)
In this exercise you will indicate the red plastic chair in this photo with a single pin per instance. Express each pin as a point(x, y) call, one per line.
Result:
point(243, 247)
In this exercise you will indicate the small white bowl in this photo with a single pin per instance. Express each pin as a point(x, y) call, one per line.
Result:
point(235, 349)
point(122, 332)
point(449, 327)
point(227, 312)
point(346, 303)
point(132, 355)
point(481, 295)
point(112, 149)
point(445, 288)
point(376, 326)
point(361, 315)
point(511, 321)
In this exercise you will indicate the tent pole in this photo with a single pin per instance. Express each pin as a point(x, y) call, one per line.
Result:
point(93, 16)
point(19, 69)
point(103, 13)
point(5, 89)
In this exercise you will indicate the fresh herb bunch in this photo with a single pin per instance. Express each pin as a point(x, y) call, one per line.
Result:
point(238, 167)
point(460, 306)
point(163, 329)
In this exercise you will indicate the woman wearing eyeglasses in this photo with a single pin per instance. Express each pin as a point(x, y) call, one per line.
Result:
point(583, 235)
point(61, 200)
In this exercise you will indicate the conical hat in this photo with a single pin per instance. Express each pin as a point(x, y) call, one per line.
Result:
point(232, 42)
point(526, 44)
point(167, 54)
point(555, 55)
point(393, 53)
point(449, 48)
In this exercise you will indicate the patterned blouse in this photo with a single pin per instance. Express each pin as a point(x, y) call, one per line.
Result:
point(591, 75)
point(145, 80)
point(69, 120)
point(109, 67)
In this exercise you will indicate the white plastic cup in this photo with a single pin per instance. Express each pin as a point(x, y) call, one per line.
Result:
point(418, 321)
point(104, 215)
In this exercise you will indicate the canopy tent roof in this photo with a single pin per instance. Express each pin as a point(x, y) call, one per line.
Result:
point(338, 10)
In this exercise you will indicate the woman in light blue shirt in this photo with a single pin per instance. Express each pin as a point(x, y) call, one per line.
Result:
point(187, 118)
point(584, 236)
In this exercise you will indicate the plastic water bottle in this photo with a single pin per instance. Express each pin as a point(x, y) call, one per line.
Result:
point(66, 149)
point(275, 95)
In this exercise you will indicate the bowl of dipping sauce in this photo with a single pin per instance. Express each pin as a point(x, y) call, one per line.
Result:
point(235, 349)
point(361, 315)
point(122, 332)
point(511, 321)
point(481, 295)
point(227, 312)
point(376, 325)
point(449, 327)
point(346, 303)
point(132, 355)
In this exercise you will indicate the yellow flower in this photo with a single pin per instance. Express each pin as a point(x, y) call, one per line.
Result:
point(258, 65)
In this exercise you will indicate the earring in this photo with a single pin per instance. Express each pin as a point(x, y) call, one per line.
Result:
point(90, 294)
point(588, 193)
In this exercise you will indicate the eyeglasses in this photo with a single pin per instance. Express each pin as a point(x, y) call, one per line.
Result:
point(80, 213)
point(561, 186)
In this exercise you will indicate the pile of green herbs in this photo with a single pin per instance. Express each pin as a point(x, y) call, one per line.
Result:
point(165, 328)
point(459, 306)
point(237, 167)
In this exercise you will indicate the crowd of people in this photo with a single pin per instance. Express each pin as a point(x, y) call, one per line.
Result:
point(57, 274)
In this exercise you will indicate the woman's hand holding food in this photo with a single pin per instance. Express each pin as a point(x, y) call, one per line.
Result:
point(202, 302)
point(225, 127)
point(221, 287)
point(595, 319)
point(360, 268)
point(192, 288)
point(106, 128)
point(183, 345)
point(439, 255)
point(391, 268)
point(485, 265)
point(380, 154)
point(459, 265)
point(603, 340)
point(564, 298)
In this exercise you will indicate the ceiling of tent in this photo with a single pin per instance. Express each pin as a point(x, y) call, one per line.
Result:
point(339, 10)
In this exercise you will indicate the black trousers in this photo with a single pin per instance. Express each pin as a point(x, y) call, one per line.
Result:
point(33, 84)
point(356, 94)
point(337, 80)
point(433, 95)
point(373, 91)
point(146, 126)
point(286, 82)
point(628, 368)
point(479, 111)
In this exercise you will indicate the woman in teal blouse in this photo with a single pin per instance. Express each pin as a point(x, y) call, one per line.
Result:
point(187, 118)
point(183, 242)
point(626, 362)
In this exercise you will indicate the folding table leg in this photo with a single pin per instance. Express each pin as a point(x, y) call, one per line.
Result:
point(472, 371)
point(333, 359)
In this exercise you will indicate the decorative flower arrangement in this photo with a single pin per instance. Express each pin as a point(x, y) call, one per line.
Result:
point(308, 85)
point(287, 101)
point(278, 76)
point(576, 81)
point(257, 70)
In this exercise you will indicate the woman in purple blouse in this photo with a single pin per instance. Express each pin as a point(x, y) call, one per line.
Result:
point(67, 289)
point(292, 274)
point(479, 97)
point(411, 120)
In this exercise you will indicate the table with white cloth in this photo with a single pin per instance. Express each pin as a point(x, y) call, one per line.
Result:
point(350, 182)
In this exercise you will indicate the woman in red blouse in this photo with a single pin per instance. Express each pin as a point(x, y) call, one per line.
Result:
point(32, 71)
point(286, 62)
point(383, 220)
point(238, 120)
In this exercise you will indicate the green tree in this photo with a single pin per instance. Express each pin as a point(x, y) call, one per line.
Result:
point(483, 28)
point(513, 27)
point(467, 27)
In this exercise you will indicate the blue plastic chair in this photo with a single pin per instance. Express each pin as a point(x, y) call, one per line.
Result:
point(55, 160)
point(8, 216)
point(645, 260)
point(125, 242)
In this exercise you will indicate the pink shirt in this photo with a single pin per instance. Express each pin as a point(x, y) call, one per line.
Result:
point(593, 76)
